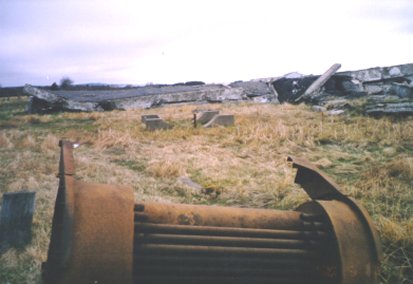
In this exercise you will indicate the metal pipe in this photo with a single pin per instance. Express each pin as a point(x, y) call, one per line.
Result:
point(226, 260)
point(218, 250)
point(242, 279)
point(222, 241)
point(227, 231)
point(223, 270)
point(201, 215)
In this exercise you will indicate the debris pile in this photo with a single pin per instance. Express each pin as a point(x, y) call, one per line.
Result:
point(43, 101)
point(380, 90)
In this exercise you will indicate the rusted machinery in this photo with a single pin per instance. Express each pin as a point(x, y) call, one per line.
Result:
point(100, 235)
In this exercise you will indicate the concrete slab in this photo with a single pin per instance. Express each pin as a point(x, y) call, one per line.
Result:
point(206, 116)
point(221, 119)
point(153, 124)
point(148, 116)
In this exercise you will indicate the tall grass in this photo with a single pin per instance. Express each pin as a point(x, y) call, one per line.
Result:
point(243, 165)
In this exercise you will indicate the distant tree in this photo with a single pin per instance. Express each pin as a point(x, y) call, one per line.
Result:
point(66, 82)
point(54, 87)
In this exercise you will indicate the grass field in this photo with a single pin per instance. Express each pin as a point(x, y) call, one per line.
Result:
point(243, 165)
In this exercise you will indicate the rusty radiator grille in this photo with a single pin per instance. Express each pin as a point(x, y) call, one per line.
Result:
point(165, 253)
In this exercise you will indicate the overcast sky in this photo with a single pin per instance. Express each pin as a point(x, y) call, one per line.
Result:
point(168, 41)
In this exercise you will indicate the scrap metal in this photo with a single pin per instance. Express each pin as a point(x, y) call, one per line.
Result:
point(101, 235)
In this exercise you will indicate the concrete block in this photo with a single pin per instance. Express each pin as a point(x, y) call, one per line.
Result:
point(153, 124)
point(221, 119)
point(401, 90)
point(148, 116)
point(206, 116)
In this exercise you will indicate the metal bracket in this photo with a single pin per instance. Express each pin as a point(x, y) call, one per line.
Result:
point(317, 184)
point(344, 214)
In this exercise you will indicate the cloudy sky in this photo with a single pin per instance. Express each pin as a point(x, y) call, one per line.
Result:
point(164, 41)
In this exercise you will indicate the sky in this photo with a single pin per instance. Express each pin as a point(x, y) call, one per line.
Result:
point(215, 41)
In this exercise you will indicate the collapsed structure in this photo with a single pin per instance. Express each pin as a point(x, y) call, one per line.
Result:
point(101, 235)
point(145, 97)
point(383, 90)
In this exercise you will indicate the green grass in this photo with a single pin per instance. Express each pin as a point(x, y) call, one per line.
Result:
point(11, 107)
point(130, 164)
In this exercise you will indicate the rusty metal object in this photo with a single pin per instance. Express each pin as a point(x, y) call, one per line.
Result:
point(316, 183)
point(353, 228)
point(199, 215)
point(100, 235)
point(92, 232)
point(200, 244)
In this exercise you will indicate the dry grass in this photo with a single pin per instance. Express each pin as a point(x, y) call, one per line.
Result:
point(244, 165)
